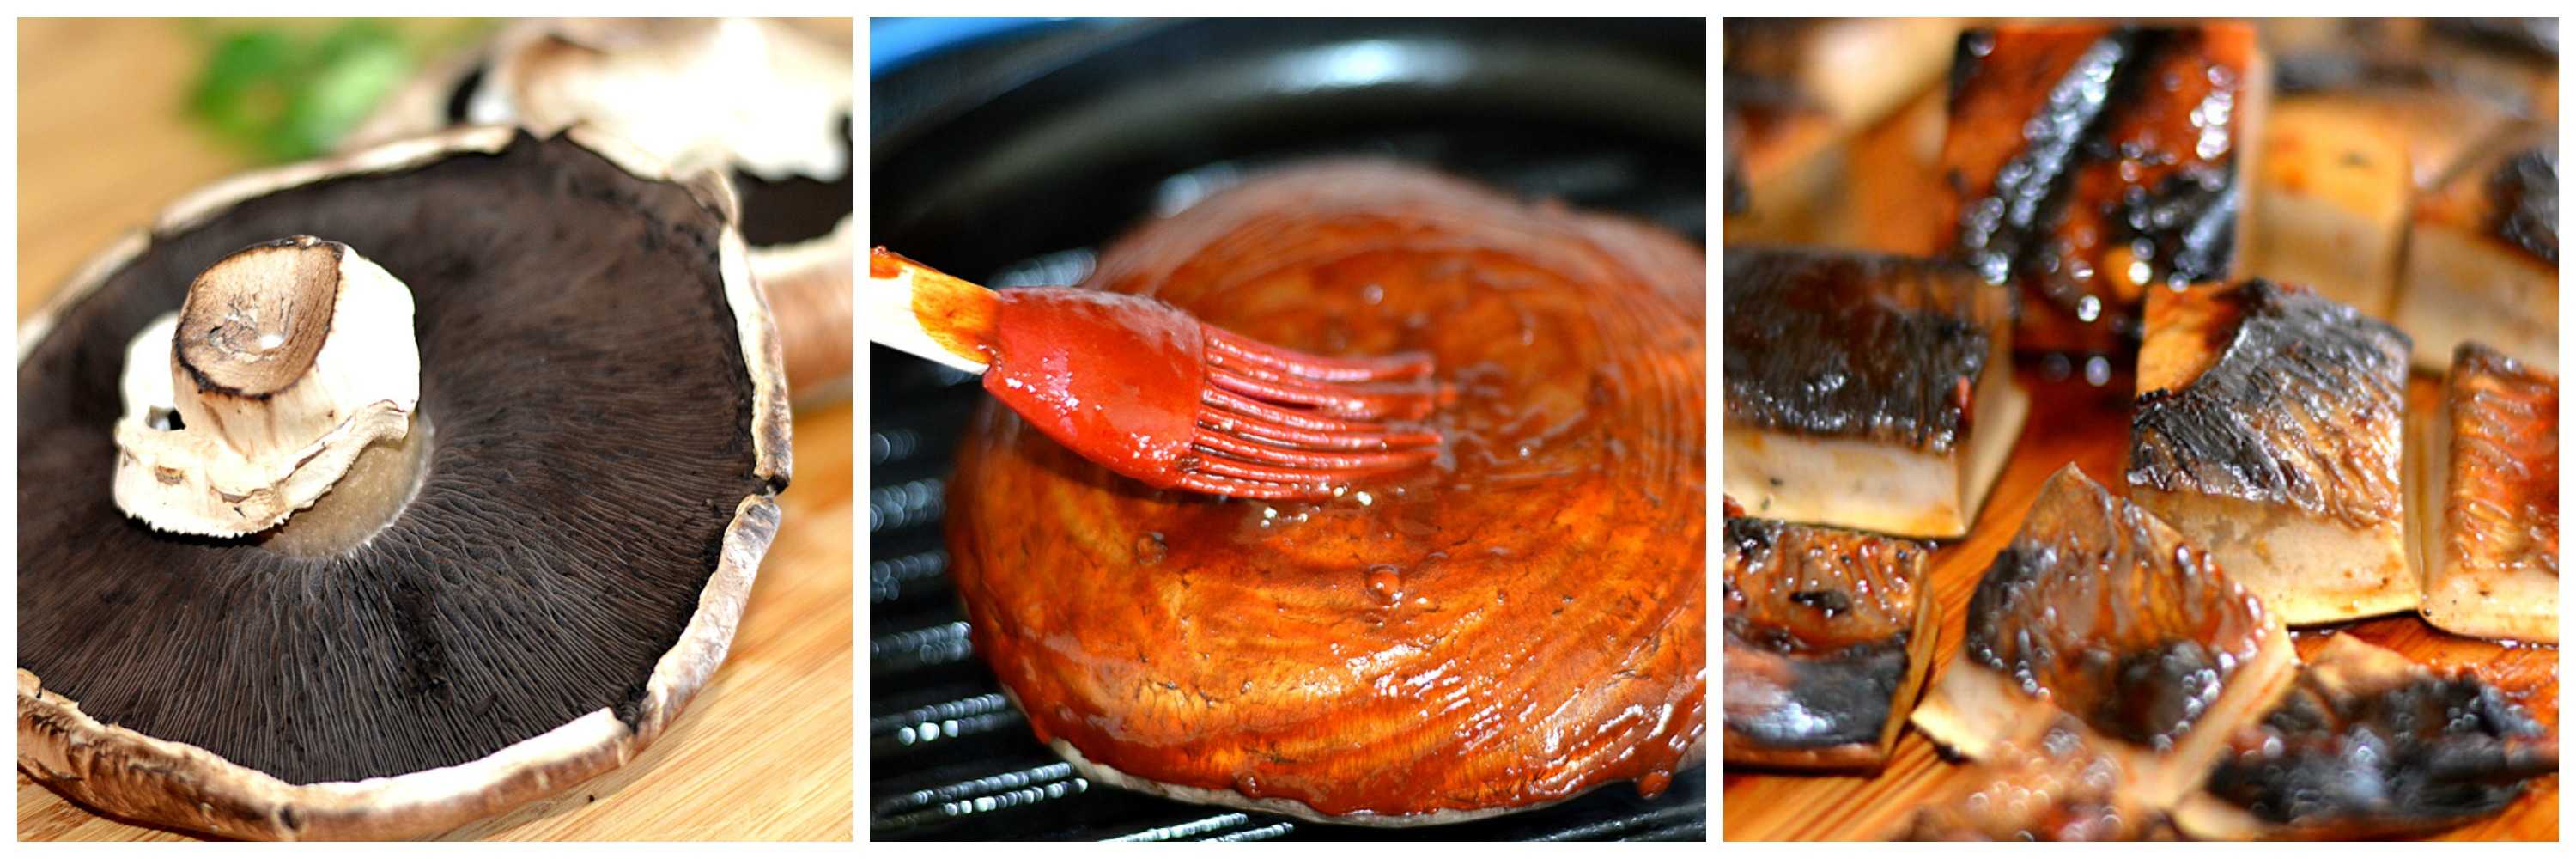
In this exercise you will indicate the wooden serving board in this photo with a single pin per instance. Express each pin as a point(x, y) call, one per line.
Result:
point(764, 751)
point(2073, 421)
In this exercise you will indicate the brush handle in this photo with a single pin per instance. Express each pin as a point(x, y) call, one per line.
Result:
point(915, 309)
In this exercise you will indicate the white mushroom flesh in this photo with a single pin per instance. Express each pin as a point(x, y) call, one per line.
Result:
point(240, 420)
point(754, 95)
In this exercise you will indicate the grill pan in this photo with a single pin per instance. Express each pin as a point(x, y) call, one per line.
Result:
point(1009, 162)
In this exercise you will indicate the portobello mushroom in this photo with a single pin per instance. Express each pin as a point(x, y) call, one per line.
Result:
point(763, 100)
point(1521, 622)
point(519, 589)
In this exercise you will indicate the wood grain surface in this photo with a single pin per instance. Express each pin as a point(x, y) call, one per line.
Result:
point(2073, 421)
point(763, 753)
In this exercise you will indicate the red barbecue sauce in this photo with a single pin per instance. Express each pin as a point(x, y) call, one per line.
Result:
point(1112, 376)
point(1115, 377)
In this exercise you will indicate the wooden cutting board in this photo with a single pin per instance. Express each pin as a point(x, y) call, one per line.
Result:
point(763, 753)
point(2074, 421)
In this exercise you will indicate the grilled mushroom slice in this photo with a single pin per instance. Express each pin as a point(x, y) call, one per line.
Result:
point(2098, 610)
point(1866, 391)
point(1828, 637)
point(764, 100)
point(2508, 65)
point(2369, 745)
point(2488, 495)
point(519, 589)
point(2329, 200)
point(2482, 257)
point(2087, 162)
point(1803, 97)
point(2439, 120)
point(1854, 69)
point(2268, 430)
point(1785, 160)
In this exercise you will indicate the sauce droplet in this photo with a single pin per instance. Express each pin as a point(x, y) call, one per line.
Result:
point(1386, 582)
point(1654, 783)
point(1149, 548)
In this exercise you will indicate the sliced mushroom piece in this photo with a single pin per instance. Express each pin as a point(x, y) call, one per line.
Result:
point(2370, 745)
point(2269, 430)
point(1828, 637)
point(2087, 162)
point(2482, 256)
point(2098, 610)
point(1804, 100)
point(520, 590)
point(1865, 390)
point(765, 100)
point(2329, 200)
point(2486, 498)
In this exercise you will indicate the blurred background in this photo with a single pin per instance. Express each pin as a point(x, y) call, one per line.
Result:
point(119, 118)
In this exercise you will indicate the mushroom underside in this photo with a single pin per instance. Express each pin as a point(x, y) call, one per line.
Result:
point(595, 412)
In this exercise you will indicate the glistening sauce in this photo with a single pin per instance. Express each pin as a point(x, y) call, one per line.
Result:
point(1521, 622)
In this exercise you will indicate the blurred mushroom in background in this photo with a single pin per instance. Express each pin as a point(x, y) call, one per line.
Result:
point(768, 101)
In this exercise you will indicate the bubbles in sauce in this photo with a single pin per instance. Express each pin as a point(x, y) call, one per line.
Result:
point(1386, 583)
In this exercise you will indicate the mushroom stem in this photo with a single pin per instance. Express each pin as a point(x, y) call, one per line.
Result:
point(286, 361)
point(378, 485)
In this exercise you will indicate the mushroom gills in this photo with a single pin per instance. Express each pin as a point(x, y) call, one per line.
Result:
point(2486, 500)
point(1585, 409)
point(591, 491)
point(2099, 611)
point(1828, 637)
point(2370, 745)
point(1866, 391)
point(2269, 429)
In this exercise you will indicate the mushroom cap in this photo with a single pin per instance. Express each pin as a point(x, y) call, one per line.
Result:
point(798, 222)
point(786, 200)
point(1521, 622)
point(612, 431)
